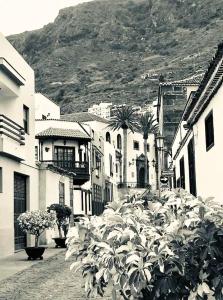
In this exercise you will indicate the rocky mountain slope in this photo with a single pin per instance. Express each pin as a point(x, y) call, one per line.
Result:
point(116, 50)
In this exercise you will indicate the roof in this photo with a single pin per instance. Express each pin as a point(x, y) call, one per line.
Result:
point(83, 117)
point(194, 80)
point(63, 133)
point(210, 84)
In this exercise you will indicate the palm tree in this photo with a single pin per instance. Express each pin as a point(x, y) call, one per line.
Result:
point(124, 119)
point(147, 125)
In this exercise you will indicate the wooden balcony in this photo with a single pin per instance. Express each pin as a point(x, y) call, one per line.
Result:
point(79, 170)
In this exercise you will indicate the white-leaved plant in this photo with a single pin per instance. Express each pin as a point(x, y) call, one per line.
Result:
point(133, 249)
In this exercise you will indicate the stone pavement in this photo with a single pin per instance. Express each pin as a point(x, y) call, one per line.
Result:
point(48, 279)
point(18, 262)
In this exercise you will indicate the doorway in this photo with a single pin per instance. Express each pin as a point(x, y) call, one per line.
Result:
point(19, 207)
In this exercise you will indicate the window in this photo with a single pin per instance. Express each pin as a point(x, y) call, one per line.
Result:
point(136, 145)
point(26, 118)
point(71, 193)
point(36, 153)
point(119, 141)
point(209, 131)
point(191, 165)
point(61, 193)
point(148, 147)
point(111, 165)
point(64, 156)
point(82, 200)
point(89, 202)
point(98, 161)
point(108, 137)
point(1, 183)
point(182, 173)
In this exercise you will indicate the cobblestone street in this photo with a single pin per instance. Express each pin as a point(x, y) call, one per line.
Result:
point(48, 279)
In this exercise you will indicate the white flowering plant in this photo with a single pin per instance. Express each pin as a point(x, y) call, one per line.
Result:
point(165, 249)
point(36, 221)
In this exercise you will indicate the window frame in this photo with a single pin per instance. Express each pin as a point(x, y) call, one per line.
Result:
point(1, 180)
point(134, 143)
point(26, 118)
point(209, 131)
point(61, 193)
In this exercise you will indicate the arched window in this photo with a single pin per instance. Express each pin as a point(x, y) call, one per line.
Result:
point(108, 137)
point(119, 141)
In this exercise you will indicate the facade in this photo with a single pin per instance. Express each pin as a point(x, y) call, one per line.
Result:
point(197, 152)
point(113, 152)
point(65, 147)
point(18, 171)
point(172, 97)
point(97, 174)
point(45, 108)
point(102, 110)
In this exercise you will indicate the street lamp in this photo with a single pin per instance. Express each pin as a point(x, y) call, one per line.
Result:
point(159, 142)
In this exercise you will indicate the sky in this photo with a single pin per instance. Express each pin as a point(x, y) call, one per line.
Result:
point(20, 15)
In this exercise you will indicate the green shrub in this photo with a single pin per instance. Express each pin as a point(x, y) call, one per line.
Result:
point(170, 248)
point(63, 213)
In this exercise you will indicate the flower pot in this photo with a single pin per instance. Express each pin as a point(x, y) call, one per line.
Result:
point(60, 242)
point(35, 252)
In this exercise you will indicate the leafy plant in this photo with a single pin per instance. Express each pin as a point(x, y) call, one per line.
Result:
point(169, 249)
point(35, 222)
point(63, 213)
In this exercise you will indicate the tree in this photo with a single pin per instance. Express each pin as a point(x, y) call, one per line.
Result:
point(63, 212)
point(147, 125)
point(124, 119)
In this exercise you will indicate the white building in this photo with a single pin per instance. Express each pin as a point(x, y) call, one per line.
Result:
point(18, 171)
point(113, 152)
point(102, 110)
point(65, 147)
point(198, 143)
point(45, 108)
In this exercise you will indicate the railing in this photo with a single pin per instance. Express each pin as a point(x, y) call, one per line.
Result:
point(77, 167)
point(131, 185)
point(12, 130)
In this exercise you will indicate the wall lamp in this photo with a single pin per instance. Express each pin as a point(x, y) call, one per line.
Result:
point(131, 162)
point(47, 149)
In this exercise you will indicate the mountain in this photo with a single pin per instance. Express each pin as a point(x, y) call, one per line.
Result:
point(115, 51)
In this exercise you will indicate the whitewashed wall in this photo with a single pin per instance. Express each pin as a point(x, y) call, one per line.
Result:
point(46, 107)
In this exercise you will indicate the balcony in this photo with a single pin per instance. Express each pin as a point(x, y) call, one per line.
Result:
point(12, 137)
point(10, 79)
point(79, 170)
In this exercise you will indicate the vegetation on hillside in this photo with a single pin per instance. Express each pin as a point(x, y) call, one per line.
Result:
point(116, 50)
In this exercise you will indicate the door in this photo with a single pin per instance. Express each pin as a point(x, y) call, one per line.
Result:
point(19, 207)
point(182, 173)
point(191, 165)
point(141, 183)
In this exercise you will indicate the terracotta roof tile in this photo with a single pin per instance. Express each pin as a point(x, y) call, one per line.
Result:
point(63, 133)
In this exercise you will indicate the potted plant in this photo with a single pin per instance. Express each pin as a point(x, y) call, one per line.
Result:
point(169, 249)
point(63, 213)
point(35, 222)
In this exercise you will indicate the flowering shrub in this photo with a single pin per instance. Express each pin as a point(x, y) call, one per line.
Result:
point(35, 222)
point(63, 213)
point(170, 249)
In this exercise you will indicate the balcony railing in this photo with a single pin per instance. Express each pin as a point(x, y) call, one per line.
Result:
point(131, 185)
point(12, 130)
point(77, 167)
